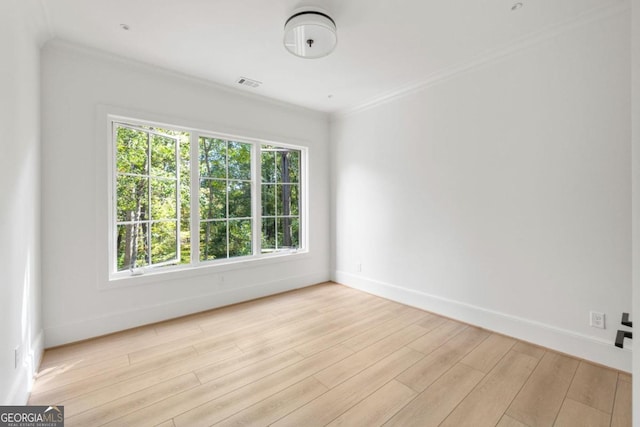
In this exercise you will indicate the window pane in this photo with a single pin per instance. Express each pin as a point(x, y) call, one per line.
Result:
point(239, 160)
point(239, 199)
point(288, 233)
point(163, 156)
point(268, 234)
point(132, 195)
point(213, 199)
point(213, 240)
point(131, 151)
point(213, 158)
point(185, 201)
point(142, 258)
point(163, 241)
point(163, 199)
point(287, 166)
point(280, 198)
point(185, 243)
point(268, 164)
point(294, 167)
point(268, 200)
point(132, 246)
point(295, 199)
point(239, 238)
point(287, 198)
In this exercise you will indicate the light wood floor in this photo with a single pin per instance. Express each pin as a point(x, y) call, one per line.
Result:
point(325, 355)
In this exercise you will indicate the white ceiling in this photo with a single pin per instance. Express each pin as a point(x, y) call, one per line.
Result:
point(383, 45)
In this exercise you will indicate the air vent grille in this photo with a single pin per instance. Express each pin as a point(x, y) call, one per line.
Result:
point(248, 82)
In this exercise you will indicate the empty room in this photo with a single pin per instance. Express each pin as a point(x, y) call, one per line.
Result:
point(311, 213)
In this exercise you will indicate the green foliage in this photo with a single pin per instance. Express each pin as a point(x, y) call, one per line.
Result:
point(287, 166)
point(268, 240)
point(163, 241)
point(163, 198)
point(163, 156)
point(269, 197)
point(225, 193)
point(240, 238)
point(132, 151)
point(213, 199)
point(268, 165)
point(287, 203)
point(288, 232)
point(133, 198)
point(239, 199)
point(213, 158)
point(239, 161)
point(213, 240)
point(132, 246)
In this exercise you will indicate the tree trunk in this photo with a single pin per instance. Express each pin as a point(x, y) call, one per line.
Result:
point(286, 200)
point(127, 246)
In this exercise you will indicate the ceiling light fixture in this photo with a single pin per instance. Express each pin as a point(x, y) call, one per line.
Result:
point(310, 33)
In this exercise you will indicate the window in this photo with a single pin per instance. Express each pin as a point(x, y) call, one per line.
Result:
point(225, 199)
point(280, 198)
point(148, 196)
point(236, 199)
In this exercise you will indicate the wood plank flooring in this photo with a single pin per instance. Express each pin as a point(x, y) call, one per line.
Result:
point(325, 355)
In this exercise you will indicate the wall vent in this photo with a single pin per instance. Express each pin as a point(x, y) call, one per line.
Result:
point(248, 82)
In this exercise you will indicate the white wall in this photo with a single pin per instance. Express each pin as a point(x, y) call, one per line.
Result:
point(635, 120)
point(21, 33)
point(500, 195)
point(77, 85)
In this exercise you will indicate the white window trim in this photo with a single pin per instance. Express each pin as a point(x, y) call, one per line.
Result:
point(196, 267)
point(113, 209)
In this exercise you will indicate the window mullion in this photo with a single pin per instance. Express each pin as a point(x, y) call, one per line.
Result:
point(178, 201)
point(256, 203)
point(149, 199)
point(226, 167)
point(113, 217)
point(277, 198)
point(303, 201)
point(194, 161)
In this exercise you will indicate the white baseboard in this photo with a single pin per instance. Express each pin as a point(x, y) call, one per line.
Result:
point(23, 381)
point(562, 340)
point(36, 353)
point(93, 327)
point(18, 394)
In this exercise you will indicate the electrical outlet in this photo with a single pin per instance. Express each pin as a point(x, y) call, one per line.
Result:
point(359, 267)
point(17, 357)
point(596, 319)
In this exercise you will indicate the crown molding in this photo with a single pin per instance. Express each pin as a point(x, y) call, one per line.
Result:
point(610, 9)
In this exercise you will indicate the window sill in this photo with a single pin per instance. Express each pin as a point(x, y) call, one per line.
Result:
point(203, 269)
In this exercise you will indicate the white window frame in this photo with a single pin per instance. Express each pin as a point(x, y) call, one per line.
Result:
point(149, 220)
point(257, 258)
point(277, 185)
